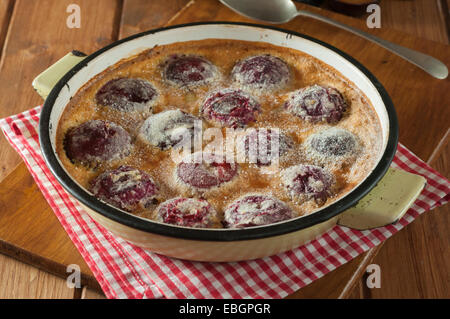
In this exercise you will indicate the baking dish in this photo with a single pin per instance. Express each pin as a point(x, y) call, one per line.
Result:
point(359, 209)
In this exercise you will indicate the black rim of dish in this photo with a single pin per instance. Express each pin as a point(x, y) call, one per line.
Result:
point(149, 226)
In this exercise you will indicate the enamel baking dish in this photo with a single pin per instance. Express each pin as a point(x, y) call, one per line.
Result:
point(382, 198)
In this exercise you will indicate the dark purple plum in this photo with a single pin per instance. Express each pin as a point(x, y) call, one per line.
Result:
point(258, 145)
point(168, 128)
point(256, 210)
point(335, 142)
point(317, 104)
point(126, 187)
point(189, 70)
point(262, 72)
point(206, 172)
point(230, 108)
point(127, 94)
point(95, 142)
point(306, 182)
point(188, 212)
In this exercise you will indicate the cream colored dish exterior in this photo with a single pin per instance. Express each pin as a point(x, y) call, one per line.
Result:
point(212, 251)
point(385, 204)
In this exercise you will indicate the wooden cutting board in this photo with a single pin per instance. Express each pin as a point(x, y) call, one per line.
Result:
point(29, 231)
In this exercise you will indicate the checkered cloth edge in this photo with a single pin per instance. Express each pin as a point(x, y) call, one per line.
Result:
point(124, 270)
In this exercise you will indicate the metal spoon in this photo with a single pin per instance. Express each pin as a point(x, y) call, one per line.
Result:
point(281, 11)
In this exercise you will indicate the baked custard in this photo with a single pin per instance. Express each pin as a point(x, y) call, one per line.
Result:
point(219, 134)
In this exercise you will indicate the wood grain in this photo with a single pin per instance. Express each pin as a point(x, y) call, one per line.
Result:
point(421, 18)
point(37, 37)
point(434, 24)
point(91, 294)
point(333, 284)
point(143, 15)
point(19, 281)
point(6, 8)
point(30, 231)
point(415, 262)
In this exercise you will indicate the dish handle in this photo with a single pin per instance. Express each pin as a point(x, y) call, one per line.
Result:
point(386, 203)
point(45, 81)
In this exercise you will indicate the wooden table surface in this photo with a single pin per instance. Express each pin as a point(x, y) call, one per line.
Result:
point(33, 34)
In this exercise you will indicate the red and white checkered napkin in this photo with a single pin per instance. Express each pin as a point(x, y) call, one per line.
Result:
point(127, 271)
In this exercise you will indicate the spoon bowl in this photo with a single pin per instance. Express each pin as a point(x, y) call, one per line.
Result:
point(273, 11)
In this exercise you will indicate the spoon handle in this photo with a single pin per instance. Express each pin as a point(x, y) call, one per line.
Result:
point(427, 63)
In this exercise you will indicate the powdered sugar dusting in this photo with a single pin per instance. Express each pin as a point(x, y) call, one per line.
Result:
point(189, 70)
point(306, 182)
point(127, 94)
point(261, 72)
point(203, 171)
point(127, 188)
point(264, 145)
point(167, 128)
point(332, 145)
point(188, 212)
point(256, 210)
point(317, 103)
point(230, 108)
point(94, 142)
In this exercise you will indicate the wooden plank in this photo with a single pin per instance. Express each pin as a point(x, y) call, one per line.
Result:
point(30, 231)
point(437, 27)
point(332, 284)
point(421, 18)
point(415, 262)
point(428, 19)
point(37, 37)
point(356, 293)
point(19, 281)
point(445, 9)
point(6, 8)
point(91, 294)
point(143, 15)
